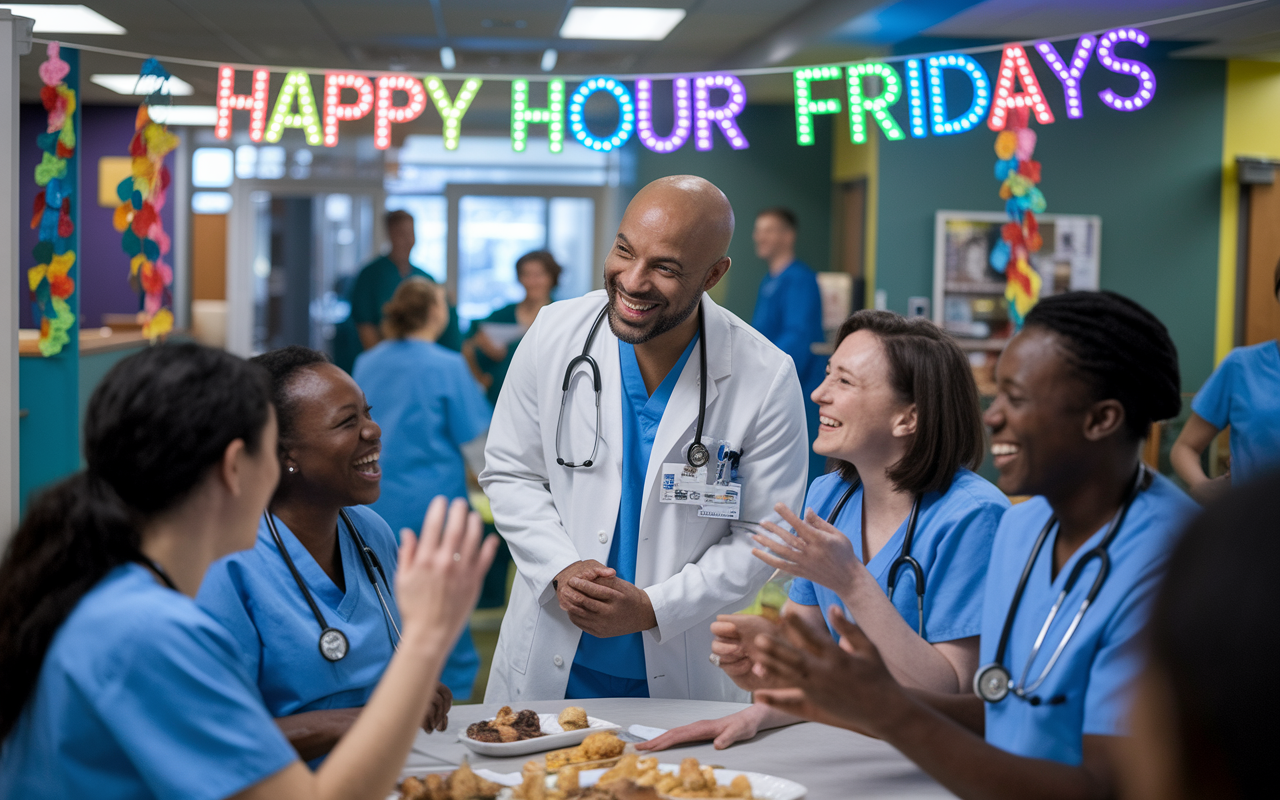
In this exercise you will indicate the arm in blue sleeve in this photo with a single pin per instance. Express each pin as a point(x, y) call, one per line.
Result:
point(801, 304)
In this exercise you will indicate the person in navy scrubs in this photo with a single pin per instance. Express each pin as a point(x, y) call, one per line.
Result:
point(789, 310)
point(117, 685)
point(899, 411)
point(1078, 389)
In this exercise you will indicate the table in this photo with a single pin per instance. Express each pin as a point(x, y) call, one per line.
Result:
point(832, 763)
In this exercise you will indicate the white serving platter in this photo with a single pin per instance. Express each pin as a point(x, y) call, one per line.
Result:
point(555, 738)
point(763, 787)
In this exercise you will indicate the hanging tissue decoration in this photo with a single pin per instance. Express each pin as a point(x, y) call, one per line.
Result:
point(51, 280)
point(1020, 237)
point(142, 197)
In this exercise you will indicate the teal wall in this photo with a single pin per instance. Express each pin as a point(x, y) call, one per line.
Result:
point(1153, 176)
point(773, 171)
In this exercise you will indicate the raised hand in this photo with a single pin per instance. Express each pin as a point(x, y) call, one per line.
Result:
point(816, 551)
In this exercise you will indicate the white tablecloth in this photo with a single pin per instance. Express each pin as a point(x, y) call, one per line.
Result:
point(832, 763)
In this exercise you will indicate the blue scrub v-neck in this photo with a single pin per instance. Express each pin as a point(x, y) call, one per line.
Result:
point(623, 656)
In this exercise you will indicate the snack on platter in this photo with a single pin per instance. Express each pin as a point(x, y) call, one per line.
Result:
point(633, 778)
point(595, 748)
point(573, 718)
point(461, 784)
point(512, 734)
point(508, 726)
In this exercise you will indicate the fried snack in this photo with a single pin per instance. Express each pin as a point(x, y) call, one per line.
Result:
point(413, 789)
point(461, 784)
point(573, 718)
point(507, 726)
point(505, 716)
point(596, 747)
point(527, 724)
point(630, 767)
point(567, 780)
point(534, 785)
point(622, 790)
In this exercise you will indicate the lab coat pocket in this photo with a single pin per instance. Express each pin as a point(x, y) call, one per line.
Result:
point(522, 638)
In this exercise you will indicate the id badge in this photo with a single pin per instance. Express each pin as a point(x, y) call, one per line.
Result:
point(722, 501)
point(683, 485)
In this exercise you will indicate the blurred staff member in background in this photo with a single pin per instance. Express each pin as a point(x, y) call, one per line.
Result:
point(116, 684)
point(1196, 733)
point(492, 341)
point(1072, 576)
point(789, 310)
point(311, 550)
point(433, 420)
point(621, 570)
point(1243, 393)
point(376, 283)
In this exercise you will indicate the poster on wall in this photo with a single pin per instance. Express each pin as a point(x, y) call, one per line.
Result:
point(969, 294)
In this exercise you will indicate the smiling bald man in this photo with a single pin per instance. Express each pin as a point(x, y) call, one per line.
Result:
point(642, 436)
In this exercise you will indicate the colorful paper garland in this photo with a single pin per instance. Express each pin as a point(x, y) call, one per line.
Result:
point(1020, 237)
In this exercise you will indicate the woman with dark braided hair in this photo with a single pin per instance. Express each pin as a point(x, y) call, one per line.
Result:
point(1078, 389)
point(115, 684)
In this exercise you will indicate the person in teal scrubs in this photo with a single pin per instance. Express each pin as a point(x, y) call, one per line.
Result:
point(539, 274)
point(789, 310)
point(1078, 389)
point(329, 456)
point(117, 685)
point(1243, 393)
point(431, 413)
point(900, 415)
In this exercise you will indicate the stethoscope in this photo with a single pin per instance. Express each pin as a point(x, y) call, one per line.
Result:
point(904, 558)
point(697, 456)
point(333, 642)
point(993, 682)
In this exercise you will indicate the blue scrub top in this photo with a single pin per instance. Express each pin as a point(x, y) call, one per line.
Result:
point(1244, 392)
point(141, 695)
point(428, 405)
point(623, 656)
point(1099, 665)
point(954, 532)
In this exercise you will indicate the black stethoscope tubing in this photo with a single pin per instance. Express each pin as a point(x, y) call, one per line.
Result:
point(904, 558)
point(333, 642)
point(697, 455)
point(993, 682)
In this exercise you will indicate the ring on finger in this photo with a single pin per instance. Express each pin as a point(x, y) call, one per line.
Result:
point(714, 659)
point(457, 556)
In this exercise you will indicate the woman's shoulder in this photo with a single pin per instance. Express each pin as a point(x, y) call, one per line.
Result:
point(825, 492)
point(968, 488)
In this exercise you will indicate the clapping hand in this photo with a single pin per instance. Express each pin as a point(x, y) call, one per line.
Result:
point(816, 551)
point(734, 647)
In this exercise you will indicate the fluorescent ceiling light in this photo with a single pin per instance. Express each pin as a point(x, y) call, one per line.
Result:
point(200, 116)
point(64, 19)
point(638, 24)
point(549, 57)
point(145, 84)
point(447, 59)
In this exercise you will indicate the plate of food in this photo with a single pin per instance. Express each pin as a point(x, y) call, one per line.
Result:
point(520, 733)
point(637, 778)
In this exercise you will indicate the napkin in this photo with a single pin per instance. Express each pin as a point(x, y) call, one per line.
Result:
point(646, 733)
point(502, 778)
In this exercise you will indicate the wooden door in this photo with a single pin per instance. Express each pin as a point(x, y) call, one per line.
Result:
point(1261, 309)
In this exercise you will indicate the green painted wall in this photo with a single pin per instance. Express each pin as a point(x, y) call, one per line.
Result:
point(773, 171)
point(1152, 175)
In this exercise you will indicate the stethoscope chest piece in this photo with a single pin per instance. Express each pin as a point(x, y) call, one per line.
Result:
point(991, 683)
point(333, 644)
point(698, 455)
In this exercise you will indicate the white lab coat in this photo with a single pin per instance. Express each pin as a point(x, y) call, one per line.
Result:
point(691, 567)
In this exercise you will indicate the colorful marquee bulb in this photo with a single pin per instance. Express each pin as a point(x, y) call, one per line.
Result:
point(1069, 76)
point(1123, 66)
point(626, 114)
point(297, 86)
point(915, 98)
point(878, 106)
point(938, 96)
point(386, 112)
point(522, 116)
point(335, 110)
point(255, 103)
point(704, 114)
point(452, 111)
point(806, 106)
point(1014, 68)
point(682, 105)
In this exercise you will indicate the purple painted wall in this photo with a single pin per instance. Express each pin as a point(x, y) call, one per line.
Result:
point(104, 268)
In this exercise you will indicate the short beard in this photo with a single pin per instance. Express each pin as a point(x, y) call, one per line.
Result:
point(659, 326)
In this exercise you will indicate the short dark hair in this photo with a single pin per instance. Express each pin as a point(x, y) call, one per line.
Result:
point(547, 261)
point(927, 368)
point(783, 213)
point(283, 365)
point(394, 218)
point(1121, 349)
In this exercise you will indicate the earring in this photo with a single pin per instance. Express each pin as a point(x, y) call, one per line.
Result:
point(293, 469)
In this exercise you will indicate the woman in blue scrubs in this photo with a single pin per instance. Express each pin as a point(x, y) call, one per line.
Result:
point(431, 413)
point(1078, 390)
point(900, 415)
point(116, 684)
point(329, 457)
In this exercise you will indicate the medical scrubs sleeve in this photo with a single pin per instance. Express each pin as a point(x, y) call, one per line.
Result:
point(1244, 393)
point(375, 285)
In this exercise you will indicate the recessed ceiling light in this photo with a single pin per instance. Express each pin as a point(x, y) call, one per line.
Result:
point(199, 116)
point(145, 84)
point(447, 58)
point(64, 19)
point(549, 57)
point(638, 24)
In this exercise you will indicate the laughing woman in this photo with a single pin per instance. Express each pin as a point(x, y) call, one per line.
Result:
point(311, 604)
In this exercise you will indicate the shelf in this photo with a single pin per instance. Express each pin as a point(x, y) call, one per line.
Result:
point(955, 287)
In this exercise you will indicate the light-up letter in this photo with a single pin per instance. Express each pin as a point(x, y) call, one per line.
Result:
point(1014, 67)
point(806, 106)
point(577, 115)
point(335, 110)
point(915, 98)
point(297, 86)
point(1123, 66)
point(682, 105)
point(255, 103)
point(385, 111)
point(552, 116)
point(1069, 76)
point(878, 106)
point(452, 111)
point(725, 115)
point(938, 96)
